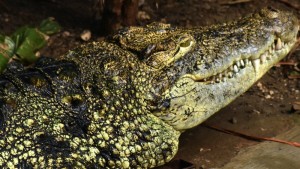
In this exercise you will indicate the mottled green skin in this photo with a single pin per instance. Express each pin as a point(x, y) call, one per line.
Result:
point(107, 104)
point(80, 115)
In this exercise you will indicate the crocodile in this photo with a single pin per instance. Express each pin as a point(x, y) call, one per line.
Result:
point(123, 102)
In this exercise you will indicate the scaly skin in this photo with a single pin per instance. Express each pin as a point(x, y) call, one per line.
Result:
point(123, 102)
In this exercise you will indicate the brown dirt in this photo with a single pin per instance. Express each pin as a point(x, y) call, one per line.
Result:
point(264, 110)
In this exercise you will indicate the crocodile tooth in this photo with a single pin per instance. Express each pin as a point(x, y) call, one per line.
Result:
point(235, 69)
point(270, 50)
point(278, 44)
point(255, 64)
point(238, 63)
point(273, 46)
point(246, 61)
point(242, 63)
point(230, 74)
point(263, 58)
point(213, 78)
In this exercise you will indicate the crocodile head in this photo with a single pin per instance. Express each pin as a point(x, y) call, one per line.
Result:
point(225, 61)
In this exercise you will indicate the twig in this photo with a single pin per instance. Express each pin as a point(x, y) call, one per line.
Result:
point(294, 76)
point(286, 63)
point(233, 2)
point(255, 138)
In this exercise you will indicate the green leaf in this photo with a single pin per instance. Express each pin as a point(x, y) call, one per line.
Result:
point(7, 50)
point(19, 35)
point(25, 42)
point(7, 44)
point(49, 26)
point(29, 44)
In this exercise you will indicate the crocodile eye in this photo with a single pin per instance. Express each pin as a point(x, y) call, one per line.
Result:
point(270, 12)
point(184, 40)
point(272, 9)
point(185, 44)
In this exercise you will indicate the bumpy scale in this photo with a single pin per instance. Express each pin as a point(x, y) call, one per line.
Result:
point(123, 102)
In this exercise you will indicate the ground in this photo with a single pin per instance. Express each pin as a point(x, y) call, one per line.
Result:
point(264, 110)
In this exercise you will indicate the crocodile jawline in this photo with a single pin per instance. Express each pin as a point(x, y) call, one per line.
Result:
point(255, 61)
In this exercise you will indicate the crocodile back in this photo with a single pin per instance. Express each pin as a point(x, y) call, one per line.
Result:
point(79, 111)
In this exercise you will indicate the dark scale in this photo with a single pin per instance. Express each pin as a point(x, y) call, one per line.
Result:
point(123, 102)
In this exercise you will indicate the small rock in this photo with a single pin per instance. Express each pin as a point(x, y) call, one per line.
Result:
point(66, 33)
point(233, 120)
point(37, 54)
point(205, 149)
point(257, 112)
point(86, 35)
point(206, 160)
point(259, 85)
point(296, 106)
point(142, 15)
point(268, 96)
point(263, 129)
